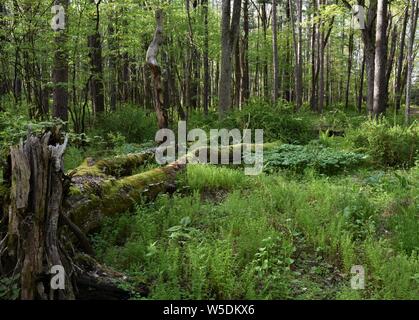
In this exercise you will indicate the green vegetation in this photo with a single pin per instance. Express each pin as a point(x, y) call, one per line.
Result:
point(272, 236)
point(338, 105)
point(293, 232)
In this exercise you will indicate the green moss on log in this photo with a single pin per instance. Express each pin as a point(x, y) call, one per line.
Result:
point(118, 166)
point(87, 209)
point(96, 193)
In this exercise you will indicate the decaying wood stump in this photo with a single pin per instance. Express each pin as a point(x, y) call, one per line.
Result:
point(36, 194)
point(38, 237)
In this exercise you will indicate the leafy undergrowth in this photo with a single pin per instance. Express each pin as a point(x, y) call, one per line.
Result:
point(278, 236)
point(315, 156)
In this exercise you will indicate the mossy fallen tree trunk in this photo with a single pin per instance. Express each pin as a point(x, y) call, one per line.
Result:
point(95, 195)
point(48, 214)
point(92, 197)
point(118, 166)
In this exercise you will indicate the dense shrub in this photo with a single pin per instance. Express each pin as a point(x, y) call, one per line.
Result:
point(394, 146)
point(132, 122)
point(340, 120)
point(279, 122)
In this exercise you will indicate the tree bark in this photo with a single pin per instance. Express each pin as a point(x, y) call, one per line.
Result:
point(400, 60)
point(36, 194)
point(298, 56)
point(60, 70)
point(361, 85)
point(410, 59)
point(380, 68)
point(390, 61)
point(275, 92)
point(245, 82)
point(349, 71)
point(229, 34)
point(368, 37)
point(207, 83)
point(113, 58)
point(314, 66)
point(151, 58)
point(95, 47)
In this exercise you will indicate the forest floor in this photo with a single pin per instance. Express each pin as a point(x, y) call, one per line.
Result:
point(337, 191)
point(228, 236)
point(321, 207)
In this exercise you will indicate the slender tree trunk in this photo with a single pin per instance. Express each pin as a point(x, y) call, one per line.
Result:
point(350, 59)
point(151, 58)
point(297, 39)
point(390, 61)
point(322, 44)
point(314, 66)
point(361, 86)
point(113, 82)
point(206, 60)
point(265, 81)
point(237, 75)
point(275, 52)
point(96, 83)
point(224, 88)
point(400, 60)
point(413, 23)
point(244, 86)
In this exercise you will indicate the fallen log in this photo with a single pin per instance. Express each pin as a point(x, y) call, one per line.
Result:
point(118, 166)
point(93, 195)
point(48, 213)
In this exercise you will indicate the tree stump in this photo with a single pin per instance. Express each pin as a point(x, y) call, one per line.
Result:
point(32, 246)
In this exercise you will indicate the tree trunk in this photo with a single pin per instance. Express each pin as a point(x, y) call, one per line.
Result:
point(96, 83)
point(237, 75)
point(113, 58)
point(39, 239)
point(413, 23)
point(390, 61)
point(275, 93)
point(361, 86)
point(380, 94)
point(314, 66)
point(151, 58)
point(245, 82)
point(400, 60)
point(36, 193)
point(207, 84)
point(229, 35)
point(265, 80)
point(60, 70)
point(368, 37)
point(350, 59)
point(297, 39)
